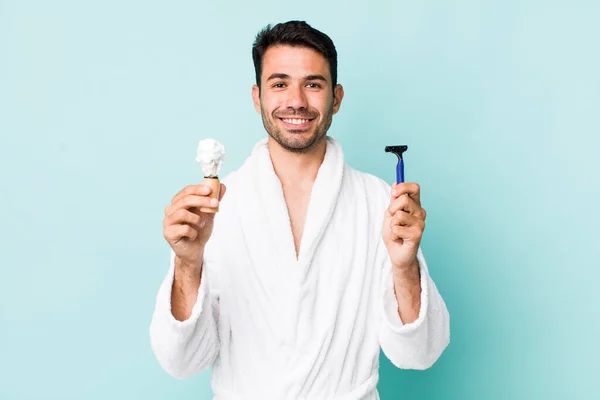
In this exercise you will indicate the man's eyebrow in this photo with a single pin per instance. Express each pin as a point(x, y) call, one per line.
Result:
point(315, 78)
point(278, 76)
point(306, 78)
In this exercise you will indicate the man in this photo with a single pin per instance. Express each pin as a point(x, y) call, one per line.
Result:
point(310, 267)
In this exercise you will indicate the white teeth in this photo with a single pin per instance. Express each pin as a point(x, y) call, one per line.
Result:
point(295, 121)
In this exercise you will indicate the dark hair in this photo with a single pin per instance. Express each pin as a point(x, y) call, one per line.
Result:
point(294, 33)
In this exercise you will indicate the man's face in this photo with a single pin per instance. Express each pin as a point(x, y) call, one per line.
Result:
point(296, 99)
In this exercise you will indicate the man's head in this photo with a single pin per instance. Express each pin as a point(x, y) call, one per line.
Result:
point(296, 88)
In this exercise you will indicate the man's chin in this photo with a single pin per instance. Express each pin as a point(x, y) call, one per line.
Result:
point(298, 144)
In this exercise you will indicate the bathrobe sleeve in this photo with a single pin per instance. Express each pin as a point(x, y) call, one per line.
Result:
point(184, 348)
point(419, 344)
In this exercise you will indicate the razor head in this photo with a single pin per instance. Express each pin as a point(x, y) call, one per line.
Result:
point(397, 150)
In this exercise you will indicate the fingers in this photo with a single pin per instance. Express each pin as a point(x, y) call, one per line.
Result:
point(402, 218)
point(406, 233)
point(183, 219)
point(183, 216)
point(197, 190)
point(174, 233)
point(406, 226)
point(191, 201)
point(407, 221)
point(405, 203)
point(411, 188)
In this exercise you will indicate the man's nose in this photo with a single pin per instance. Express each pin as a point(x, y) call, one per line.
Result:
point(296, 98)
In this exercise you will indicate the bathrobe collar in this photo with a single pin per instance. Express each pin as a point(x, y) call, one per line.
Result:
point(265, 198)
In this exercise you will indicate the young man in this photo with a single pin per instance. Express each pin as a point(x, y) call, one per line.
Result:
point(310, 266)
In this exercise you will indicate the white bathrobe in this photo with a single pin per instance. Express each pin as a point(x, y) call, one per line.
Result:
point(274, 326)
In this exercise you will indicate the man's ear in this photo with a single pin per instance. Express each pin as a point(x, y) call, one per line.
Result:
point(256, 98)
point(338, 94)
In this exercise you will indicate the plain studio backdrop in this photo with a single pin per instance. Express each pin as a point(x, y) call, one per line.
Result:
point(102, 105)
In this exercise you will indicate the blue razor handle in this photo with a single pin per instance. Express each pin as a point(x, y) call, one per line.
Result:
point(400, 171)
point(398, 150)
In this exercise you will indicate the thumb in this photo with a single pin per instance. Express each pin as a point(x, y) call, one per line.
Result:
point(394, 192)
point(222, 191)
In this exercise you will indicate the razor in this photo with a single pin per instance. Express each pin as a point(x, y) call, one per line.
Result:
point(398, 150)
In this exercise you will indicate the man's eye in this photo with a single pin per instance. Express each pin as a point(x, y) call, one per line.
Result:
point(279, 85)
point(314, 85)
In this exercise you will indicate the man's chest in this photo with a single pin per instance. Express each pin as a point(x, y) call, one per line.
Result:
point(297, 206)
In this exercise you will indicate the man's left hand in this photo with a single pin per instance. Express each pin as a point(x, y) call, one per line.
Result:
point(403, 224)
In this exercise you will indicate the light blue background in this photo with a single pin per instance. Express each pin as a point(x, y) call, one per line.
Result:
point(102, 105)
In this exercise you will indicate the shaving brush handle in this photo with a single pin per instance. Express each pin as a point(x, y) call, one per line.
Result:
point(215, 188)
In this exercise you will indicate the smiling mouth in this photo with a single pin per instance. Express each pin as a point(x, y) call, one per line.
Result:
point(296, 123)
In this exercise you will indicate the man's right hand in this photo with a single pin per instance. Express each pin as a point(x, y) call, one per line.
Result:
point(186, 228)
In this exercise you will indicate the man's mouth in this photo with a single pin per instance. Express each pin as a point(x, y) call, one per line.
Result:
point(297, 123)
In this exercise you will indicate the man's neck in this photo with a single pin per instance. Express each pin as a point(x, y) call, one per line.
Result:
point(297, 169)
